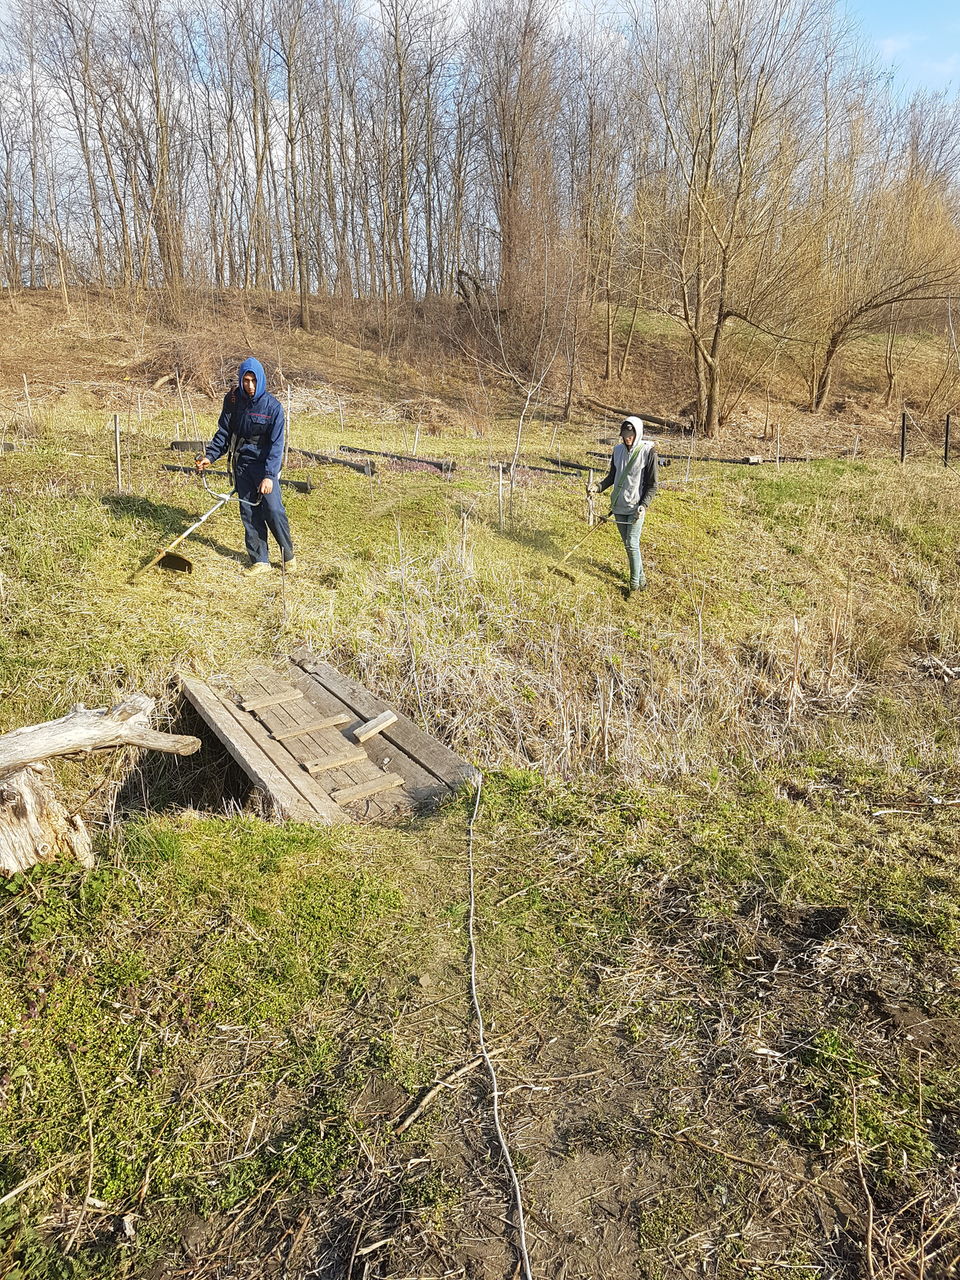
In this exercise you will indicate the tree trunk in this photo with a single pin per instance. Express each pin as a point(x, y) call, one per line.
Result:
point(821, 388)
point(34, 826)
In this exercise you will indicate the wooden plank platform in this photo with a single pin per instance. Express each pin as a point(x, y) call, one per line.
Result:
point(313, 741)
point(421, 789)
point(268, 765)
point(427, 753)
point(334, 759)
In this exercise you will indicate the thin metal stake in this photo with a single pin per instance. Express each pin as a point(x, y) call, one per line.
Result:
point(116, 450)
point(286, 434)
point(946, 442)
point(903, 437)
point(26, 392)
point(183, 407)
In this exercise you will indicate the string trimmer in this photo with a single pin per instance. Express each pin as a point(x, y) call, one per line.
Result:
point(167, 558)
point(589, 533)
point(614, 498)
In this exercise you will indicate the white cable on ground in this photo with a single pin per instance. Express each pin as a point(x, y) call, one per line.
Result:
point(471, 917)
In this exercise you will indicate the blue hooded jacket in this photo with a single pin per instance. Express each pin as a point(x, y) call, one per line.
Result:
point(252, 426)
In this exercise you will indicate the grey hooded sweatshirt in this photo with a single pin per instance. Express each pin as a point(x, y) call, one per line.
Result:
point(634, 482)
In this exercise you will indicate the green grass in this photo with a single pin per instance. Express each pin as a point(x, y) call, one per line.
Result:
point(681, 862)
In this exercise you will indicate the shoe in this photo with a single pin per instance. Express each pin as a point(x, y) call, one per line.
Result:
point(258, 567)
point(290, 566)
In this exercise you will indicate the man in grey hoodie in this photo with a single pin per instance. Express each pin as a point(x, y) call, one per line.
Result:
point(633, 475)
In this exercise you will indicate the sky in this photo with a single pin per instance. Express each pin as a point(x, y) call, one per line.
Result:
point(919, 40)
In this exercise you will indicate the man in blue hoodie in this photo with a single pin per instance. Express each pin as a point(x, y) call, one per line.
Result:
point(250, 432)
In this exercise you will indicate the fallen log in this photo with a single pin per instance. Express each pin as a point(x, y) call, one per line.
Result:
point(368, 467)
point(301, 486)
point(34, 826)
point(443, 465)
point(669, 423)
point(529, 466)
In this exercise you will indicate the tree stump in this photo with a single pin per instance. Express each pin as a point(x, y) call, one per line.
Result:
point(34, 825)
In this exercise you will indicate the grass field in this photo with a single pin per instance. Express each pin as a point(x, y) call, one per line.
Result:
point(717, 880)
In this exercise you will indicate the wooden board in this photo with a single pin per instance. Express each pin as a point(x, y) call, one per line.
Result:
point(375, 726)
point(311, 726)
point(346, 795)
point(264, 771)
point(275, 699)
point(288, 765)
point(335, 760)
point(438, 760)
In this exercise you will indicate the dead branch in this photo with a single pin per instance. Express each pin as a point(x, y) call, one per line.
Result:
point(34, 826)
point(428, 1095)
point(82, 731)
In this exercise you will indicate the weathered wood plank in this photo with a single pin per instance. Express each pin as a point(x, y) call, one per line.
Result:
point(330, 741)
point(310, 726)
point(386, 782)
point(288, 766)
point(261, 701)
point(444, 764)
point(375, 726)
point(337, 760)
point(263, 772)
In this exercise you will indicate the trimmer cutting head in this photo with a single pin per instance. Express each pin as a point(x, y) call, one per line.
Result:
point(176, 563)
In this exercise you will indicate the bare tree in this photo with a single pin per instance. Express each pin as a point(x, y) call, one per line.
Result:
point(730, 87)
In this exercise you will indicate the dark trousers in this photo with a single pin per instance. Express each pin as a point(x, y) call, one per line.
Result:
point(261, 512)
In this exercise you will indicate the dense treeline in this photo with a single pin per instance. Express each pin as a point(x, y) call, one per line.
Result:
point(736, 163)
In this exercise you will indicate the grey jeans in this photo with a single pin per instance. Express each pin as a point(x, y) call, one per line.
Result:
point(630, 533)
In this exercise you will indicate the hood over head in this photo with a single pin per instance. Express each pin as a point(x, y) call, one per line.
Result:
point(635, 423)
point(250, 365)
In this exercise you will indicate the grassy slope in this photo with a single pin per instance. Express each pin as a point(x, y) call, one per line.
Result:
point(702, 946)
